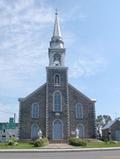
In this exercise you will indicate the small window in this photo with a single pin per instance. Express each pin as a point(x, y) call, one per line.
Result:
point(57, 80)
point(79, 111)
point(57, 101)
point(35, 110)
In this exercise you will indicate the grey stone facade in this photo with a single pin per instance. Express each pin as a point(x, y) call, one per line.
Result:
point(88, 120)
point(69, 101)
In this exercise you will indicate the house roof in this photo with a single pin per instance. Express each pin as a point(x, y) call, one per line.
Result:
point(109, 124)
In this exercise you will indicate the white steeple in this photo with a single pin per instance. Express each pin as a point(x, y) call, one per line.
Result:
point(56, 40)
point(56, 50)
point(56, 32)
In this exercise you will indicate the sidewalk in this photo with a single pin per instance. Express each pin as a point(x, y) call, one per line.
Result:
point(59, 148)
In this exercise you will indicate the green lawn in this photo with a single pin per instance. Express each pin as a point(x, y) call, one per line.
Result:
point(102, 144)
point(19, 146)
point(25, 145)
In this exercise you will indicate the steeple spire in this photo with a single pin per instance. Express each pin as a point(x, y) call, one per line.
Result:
point(56, 40)
point(56, 50)
point(56, 32)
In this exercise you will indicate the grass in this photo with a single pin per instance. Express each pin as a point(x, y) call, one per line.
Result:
point(90, 144)
point(19, 146)
point(102, 144)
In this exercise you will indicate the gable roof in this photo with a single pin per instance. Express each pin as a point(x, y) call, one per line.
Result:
point(109, 124)
point(84, 96)
point(34, 92)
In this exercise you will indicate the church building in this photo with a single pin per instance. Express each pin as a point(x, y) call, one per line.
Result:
point(56, 108)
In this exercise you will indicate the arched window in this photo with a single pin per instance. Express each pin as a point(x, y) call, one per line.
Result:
point(34, 131)
point(80, 129)
point(79, 111)
point(57, 101)
point(35, 110)
point(57, 79)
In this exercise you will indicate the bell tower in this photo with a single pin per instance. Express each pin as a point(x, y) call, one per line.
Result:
point(57, 101)
point(56, 50)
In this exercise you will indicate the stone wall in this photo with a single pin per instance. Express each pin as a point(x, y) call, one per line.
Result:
point(51, 89)
point(88, 120)
point(25, 114)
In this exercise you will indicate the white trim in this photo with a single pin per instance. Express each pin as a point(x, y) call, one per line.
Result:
point(47, 109)
point(53, 128)
point(58, 67)
point(57, 91)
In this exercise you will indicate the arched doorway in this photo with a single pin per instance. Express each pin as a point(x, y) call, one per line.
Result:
point(81, 131)
point(57, 130)
point(34, 131)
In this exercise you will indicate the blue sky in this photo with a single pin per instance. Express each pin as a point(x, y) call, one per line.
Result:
point(91, 32)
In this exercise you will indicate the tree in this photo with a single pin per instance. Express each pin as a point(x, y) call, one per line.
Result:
point(101, 121)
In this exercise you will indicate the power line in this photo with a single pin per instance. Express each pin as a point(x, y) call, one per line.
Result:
point(3, 111)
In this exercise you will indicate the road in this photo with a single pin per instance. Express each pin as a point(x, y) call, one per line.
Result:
point(113, 154)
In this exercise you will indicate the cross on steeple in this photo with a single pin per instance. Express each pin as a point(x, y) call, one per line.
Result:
point(56, 12)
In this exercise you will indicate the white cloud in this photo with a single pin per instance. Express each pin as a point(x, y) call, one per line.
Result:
point(87, 66)
point(23, 50)
point(22, 12)
point(24, 35)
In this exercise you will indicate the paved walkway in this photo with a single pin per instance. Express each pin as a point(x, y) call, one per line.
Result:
point(59, 146)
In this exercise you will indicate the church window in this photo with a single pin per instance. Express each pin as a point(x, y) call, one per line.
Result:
point(57, 79)
point(57, 101)
point(79, 111)
point(35, 110)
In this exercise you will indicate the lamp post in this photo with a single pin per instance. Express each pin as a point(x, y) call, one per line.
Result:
point(109, 135)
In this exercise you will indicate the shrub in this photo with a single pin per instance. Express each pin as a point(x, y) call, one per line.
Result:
point(77, 141)
point(12, 141)
point(113, 142)
point(40, 142)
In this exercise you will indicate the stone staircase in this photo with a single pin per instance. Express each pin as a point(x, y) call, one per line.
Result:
point(57, 141)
